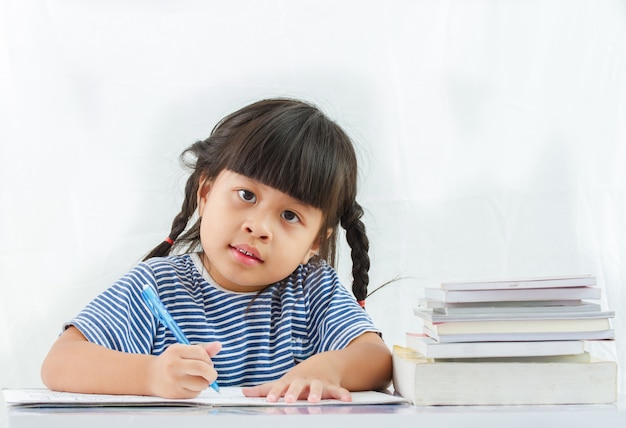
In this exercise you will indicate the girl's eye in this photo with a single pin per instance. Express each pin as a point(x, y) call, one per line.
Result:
point(290, 216)
point(247, 196)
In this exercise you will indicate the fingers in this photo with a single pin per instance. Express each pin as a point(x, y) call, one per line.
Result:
point(183, 371)
point(256, 391)
point(193, 385)
point(213, 348)
point(312, 390)
point(197, 362)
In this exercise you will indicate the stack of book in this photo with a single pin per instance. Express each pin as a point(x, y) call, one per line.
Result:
point(508, 342)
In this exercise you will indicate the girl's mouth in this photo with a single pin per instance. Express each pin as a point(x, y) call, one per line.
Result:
point(246, 255)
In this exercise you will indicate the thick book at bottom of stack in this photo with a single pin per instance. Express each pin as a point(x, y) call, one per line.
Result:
point(522, 381)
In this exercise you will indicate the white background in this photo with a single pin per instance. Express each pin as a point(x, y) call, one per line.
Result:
point(491, 136)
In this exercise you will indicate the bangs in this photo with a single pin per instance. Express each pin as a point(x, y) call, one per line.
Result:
point(293, 150)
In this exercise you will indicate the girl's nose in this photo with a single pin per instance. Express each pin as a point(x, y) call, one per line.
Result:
point(259, 227)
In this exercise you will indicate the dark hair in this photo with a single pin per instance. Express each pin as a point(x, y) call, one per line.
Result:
point(293, 147)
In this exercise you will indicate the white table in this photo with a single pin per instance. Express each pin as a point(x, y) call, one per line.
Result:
point(588, 416)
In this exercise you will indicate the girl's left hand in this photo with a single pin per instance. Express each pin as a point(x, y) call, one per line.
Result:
point(293, 389)
point(364, 364)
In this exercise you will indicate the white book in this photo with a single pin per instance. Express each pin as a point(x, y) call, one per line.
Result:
point(426, 382)
point(539, 282)
point(519, 326)
point(522, 294)
point(520, 337)
point(531, 306)
point(430, 348)
point(436, 317)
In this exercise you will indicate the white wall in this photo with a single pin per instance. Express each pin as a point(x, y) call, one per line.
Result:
point(492, 136)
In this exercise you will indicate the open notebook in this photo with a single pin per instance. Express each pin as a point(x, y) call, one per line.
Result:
point(228, 396)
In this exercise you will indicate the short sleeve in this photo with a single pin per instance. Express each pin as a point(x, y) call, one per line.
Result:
point(118, 319)
point(335, 317)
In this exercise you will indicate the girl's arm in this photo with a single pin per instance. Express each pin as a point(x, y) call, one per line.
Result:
point(77, 365)
point(365, 364)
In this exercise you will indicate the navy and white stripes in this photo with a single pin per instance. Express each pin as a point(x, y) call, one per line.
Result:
point(263, 335)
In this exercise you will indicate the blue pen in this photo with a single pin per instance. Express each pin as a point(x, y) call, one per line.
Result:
point(159, 311)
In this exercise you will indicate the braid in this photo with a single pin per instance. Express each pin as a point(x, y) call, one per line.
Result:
point(180, 221)
point(359, 244)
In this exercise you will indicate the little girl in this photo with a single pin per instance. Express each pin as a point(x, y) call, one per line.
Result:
point(243, 273)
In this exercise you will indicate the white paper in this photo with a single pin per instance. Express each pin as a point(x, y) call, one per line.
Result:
point(228, 396)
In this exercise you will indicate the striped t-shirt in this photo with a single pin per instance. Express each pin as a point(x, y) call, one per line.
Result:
point(263, 335)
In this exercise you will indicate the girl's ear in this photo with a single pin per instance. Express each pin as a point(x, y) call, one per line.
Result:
point(315, 248)
point(203, 190)
point(313, 251)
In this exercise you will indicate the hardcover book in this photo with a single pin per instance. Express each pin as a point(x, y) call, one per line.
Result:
point(518, 294)
point(428, 382)
point(430, 348)
point(540, 282)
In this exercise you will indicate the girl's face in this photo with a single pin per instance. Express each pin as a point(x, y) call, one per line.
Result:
point(253, 235)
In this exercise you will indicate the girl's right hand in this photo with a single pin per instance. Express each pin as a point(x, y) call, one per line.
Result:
point(183, 371)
